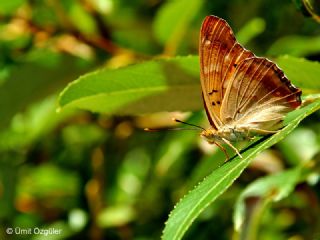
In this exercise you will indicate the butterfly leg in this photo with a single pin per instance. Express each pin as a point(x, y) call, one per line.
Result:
point(230, 145)
point(223, 149)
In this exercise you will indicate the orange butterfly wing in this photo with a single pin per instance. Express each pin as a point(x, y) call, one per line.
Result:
point(219, 53)
point(259, 95)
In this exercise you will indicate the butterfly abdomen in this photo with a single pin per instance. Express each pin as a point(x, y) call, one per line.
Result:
point(234, 133)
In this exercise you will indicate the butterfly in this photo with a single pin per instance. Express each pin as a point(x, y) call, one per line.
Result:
point(244, 95)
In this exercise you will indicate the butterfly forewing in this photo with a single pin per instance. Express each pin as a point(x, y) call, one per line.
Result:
point(219, 55)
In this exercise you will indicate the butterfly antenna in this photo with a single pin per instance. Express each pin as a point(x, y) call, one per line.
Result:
point(168, 129)
point(190, 124)
point(195, 127)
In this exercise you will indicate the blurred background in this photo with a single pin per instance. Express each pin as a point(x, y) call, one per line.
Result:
point(96, 176)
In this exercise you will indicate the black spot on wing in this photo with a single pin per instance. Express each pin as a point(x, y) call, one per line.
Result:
point(213, 91)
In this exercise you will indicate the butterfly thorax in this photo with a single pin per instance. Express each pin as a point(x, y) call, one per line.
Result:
point(231, 133)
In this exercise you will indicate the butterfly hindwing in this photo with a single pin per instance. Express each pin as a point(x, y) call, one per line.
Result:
point(258, 95)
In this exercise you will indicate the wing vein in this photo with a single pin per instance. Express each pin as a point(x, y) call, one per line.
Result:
point(254, 88)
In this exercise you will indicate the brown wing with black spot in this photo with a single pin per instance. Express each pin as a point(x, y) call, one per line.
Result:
point(220, 54)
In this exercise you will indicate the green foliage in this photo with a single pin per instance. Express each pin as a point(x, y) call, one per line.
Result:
point(171, 23)
point(302, 72)
point(46, 81)
point(272, 188)
point(141, 88)
point(216, 183)
point(295, 46)
point(129, 90)
point(95, 174)
point(8, 7)
point(253, 28)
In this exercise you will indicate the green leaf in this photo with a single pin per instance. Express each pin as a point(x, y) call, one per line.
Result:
point(298, 46)
point(162, 85)
point(304, 73)
point(35, 78)
point(189, 208)
point(205, 166)
point(82, 19)
point(175, 146)
point(115, 216)
point(8, 7)
point(170, 20)
point(300, 146)
point(274, 187)
point(173, 19)
point(252, 29)
point(38, 120)
point(48, 182)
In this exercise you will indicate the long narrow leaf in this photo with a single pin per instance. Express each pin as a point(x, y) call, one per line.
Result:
point(189, 208)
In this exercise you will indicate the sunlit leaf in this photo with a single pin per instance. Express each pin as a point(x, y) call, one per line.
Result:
point(82, 19)
point(250, 30)
point(300, 146)
point(303, 73)
point(298, 46)
point(116, 216)
point(172, 21)
point(161, 85)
